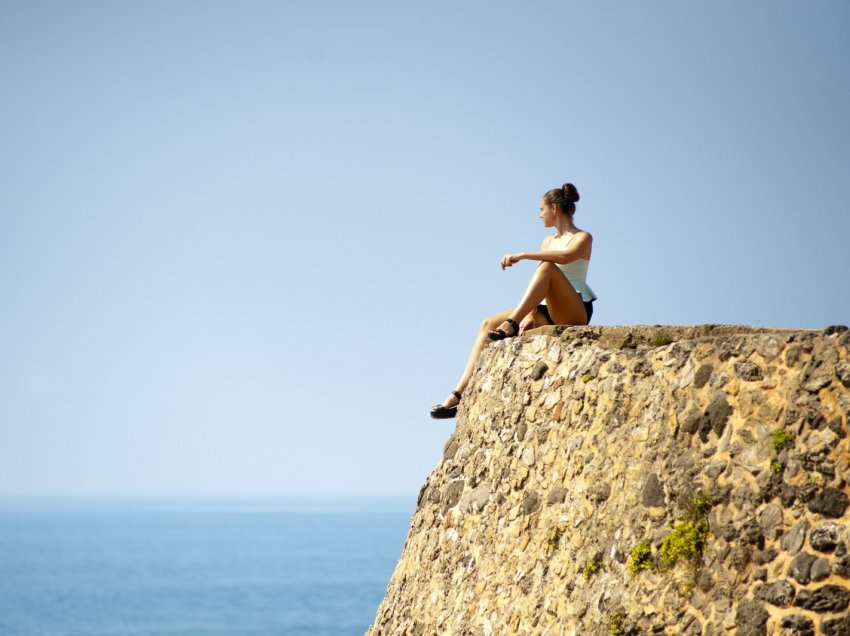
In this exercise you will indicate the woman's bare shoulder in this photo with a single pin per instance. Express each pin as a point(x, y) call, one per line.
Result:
point(584, 235)
point(576, 238)
point(585, 240)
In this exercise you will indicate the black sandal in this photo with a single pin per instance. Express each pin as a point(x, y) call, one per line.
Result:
point(440, 412)
point(499, 334)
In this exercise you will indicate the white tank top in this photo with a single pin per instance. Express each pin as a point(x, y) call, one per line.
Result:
point(576, 273)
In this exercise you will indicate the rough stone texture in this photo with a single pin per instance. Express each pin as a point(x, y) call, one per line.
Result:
point(653, 493)
point(836, 626)
point(539, 370)
point(829, 598)
point(825, 538)
point(557, 495)
point(549, 470)
point(752, 619)
point(795, 625)
point(801, 568)
point(830, 503)
point(820, 570)
point(599, 492)
point(842, 566)
point(793, 541)
point(770, 520)
point(780, 593)
point(766, 556)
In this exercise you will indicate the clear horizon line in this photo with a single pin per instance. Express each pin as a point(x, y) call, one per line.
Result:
point(203, 495)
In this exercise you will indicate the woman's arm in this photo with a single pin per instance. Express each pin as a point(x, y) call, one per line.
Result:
point(577, 248)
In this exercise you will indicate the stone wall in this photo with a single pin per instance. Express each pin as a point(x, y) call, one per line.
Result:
point(643, 480)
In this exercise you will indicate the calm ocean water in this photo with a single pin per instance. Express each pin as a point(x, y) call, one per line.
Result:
point(197, 567)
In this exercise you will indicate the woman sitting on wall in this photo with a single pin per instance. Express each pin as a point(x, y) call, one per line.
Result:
point(559, 279)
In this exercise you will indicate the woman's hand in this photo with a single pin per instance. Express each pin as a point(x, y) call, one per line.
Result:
point(511, 259)
point(527, 323)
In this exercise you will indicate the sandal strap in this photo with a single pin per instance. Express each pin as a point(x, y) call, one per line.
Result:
point(457, 395)
point(513, 324)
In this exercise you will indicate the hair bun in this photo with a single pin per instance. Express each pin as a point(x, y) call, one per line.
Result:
point(564, 197)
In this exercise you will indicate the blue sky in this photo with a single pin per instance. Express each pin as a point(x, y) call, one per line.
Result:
point(245, 246)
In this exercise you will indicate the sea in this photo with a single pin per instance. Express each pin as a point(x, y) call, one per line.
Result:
point(202, 566)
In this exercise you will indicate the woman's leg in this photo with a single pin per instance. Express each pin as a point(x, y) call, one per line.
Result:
point(541, 317)
point(565, 306)
point(564, 302)
point(478, 345)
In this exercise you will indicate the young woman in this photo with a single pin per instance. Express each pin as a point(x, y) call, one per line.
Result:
point(559, 279)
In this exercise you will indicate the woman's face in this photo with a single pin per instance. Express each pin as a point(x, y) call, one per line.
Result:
point(547, 213)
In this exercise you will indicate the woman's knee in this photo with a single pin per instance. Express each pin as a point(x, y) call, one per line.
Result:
point(547, 266)
point(490, 323)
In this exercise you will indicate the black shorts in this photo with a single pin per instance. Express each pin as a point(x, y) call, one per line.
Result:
point(588, 307)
